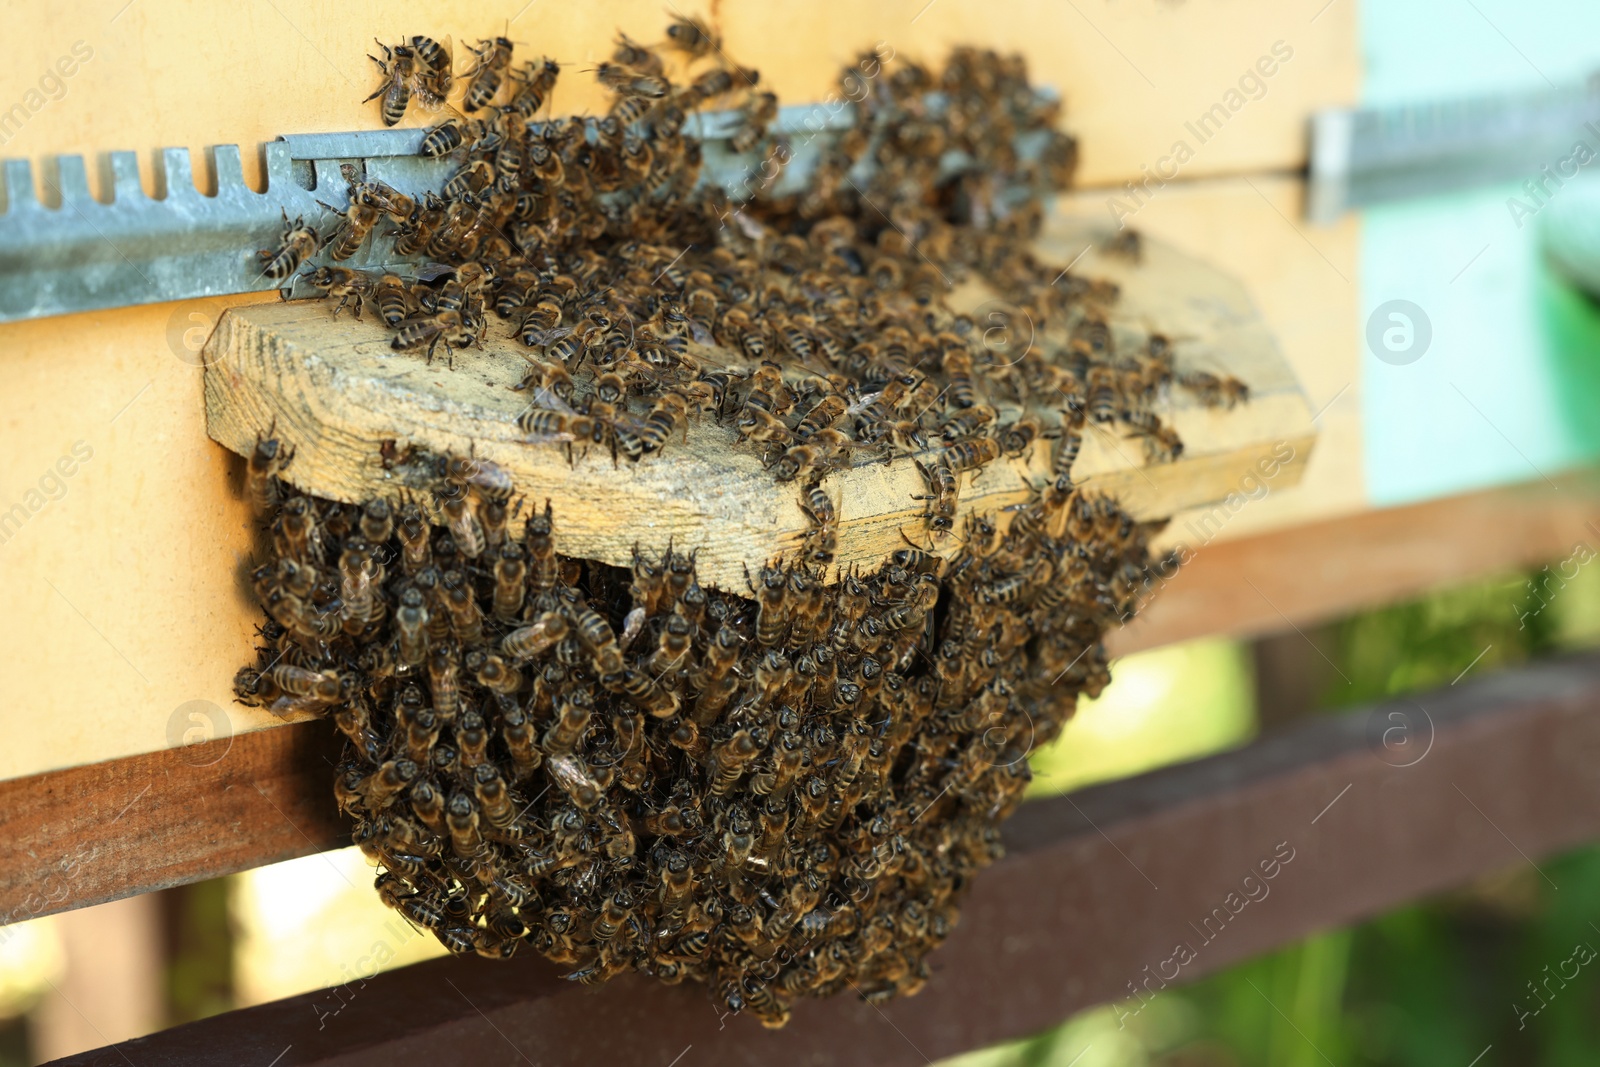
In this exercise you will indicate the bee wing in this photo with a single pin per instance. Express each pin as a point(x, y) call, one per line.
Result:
point(752, 228)
point(862, 404)
point(629, 421)
point(548, 438)
point(550, 337)
point(544, 398)
point(429, 271)
point(632, 625)
point(569, 773)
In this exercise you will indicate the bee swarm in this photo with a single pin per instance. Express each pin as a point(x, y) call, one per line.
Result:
point(783, 794)
point(780, 797)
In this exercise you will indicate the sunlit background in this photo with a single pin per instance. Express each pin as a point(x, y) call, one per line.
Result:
point(1427, 985)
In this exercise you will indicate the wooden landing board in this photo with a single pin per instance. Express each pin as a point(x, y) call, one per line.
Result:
point(334, 391)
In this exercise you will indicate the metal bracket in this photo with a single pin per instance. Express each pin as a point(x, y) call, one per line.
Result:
point(1375, 155)
point(85, 255)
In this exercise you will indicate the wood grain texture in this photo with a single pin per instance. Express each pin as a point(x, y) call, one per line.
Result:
point(1094, 895)
point(334, 391)
point(199, 823)
point(86, 835)
point(1320, 571)
point(1305, 281)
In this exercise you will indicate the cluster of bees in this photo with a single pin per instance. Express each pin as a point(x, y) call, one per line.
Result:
point(781, 795)
point(813, 322)
point(781, 791)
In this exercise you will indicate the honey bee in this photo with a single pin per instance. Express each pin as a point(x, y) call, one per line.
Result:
point(966, 423)
point(482, 476)
point(385, 198)
point(822, 451)
point(529, 641)
point(630, 110)
point(484, 78)
point(758, 424)
point(625, 81)
point(444, 138)
point(1067, 449)
point(668, 415)
point(550, 418)
point(574, 778)
point(1214, 391)
point(297, 244)
point(692, 37)
point(673, 648)
point(1162, 443)
point(941, 496)
point(352, 287)
point(756, 116)
point(1016, 438)
point(393, 299)
point(533, 86)
point(970, 454)
point(1127, 243)
point(824, 414)
point(538, 541)
point(358, 225)
point(510, 582)
point(430, 53)
point(420, 231)
point(399, 73)
point(475, 177)
point(267, 461)
point(444, 682)
point(448, 327)
point(416, 551)
point(822, 540)
point(711, 84)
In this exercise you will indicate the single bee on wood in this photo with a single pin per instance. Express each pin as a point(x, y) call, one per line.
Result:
point(351, 287)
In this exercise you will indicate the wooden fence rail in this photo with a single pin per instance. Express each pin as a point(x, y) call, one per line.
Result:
point(1112, 891)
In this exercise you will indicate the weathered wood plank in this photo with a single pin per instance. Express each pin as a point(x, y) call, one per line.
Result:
point(1120, 889)
point(86, 835)
point(334, 391)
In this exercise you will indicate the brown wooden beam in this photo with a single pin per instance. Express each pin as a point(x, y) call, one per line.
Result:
point(86, 835)
point(1339, 820)
point(1325, 570)
point(148, 822)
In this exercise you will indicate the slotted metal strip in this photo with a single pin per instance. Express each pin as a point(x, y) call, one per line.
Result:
point(84, 255)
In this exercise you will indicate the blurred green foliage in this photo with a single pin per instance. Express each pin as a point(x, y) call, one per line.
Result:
point(1445, 982)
